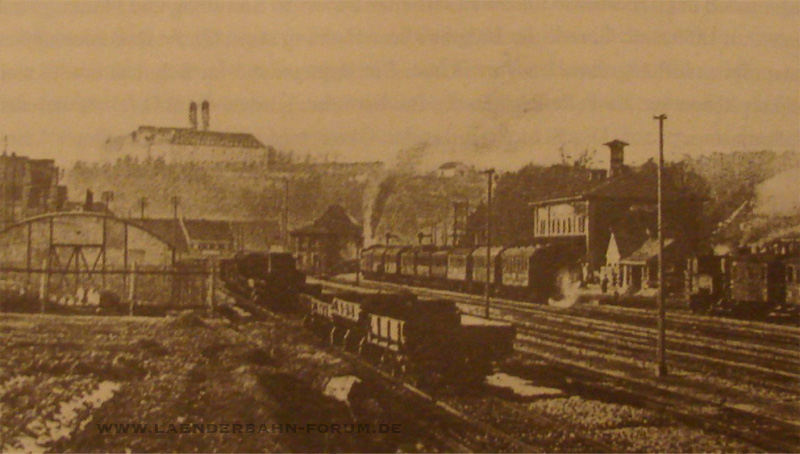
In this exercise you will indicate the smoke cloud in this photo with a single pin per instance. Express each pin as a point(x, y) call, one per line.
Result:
point(407, 162)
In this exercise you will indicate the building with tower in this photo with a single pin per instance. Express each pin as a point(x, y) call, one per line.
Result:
point(195, 143)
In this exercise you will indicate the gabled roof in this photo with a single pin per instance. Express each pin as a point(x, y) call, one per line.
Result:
point(630, 233)
point(207, 230)
point(196, 137)
point(335, 221)
point(638, 184)
point(646, 252)
point(256, 235)
point(168, 229)
point(453, 165)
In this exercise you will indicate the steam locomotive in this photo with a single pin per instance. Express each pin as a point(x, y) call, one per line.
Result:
point(268, 279)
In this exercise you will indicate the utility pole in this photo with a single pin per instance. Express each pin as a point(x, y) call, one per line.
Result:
point(488, 289)
point(661, 367)
point(107, 197)
point(6, 162)
point(142, 206)
point(286, 213)
point(176, 201)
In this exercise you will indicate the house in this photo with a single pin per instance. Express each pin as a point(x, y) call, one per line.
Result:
point(639, 270)
point(330, 244)
point(453, 169)
point(28, 187)
point(208, 237)
point(205, 238)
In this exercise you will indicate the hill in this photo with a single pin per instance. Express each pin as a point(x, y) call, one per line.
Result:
point(225, 191)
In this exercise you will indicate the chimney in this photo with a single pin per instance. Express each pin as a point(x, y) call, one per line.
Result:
point(206, 114)
point(89, 204)
point(193, 115)
point(616, 161)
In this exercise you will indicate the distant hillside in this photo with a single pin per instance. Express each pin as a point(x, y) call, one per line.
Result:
point(224, 191)
point(397, 198)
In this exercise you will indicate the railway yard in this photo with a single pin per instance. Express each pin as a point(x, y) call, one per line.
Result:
point(732, 377)
point(581, 380)
point(400, 227)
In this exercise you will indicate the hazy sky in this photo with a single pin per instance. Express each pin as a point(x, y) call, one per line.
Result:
point(502, 83)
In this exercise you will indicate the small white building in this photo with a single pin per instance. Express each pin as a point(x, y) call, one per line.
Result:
point(453, 169)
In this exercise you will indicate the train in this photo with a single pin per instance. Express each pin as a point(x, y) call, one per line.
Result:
point(746, 283)
point(535, 273)
point(426, 340)
point(267, 279)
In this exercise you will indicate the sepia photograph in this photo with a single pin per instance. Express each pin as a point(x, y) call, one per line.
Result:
point(400, 226)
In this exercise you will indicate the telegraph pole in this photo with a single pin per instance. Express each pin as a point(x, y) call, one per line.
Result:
point(661, 367)
point(488, 289)
point(107, 197)
point(176, 201)
point(142, 206)
point(286, 213)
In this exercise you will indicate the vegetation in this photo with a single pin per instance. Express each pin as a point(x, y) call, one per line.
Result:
point(397, 198)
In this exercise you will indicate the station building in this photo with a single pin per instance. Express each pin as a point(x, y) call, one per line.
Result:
point(330, 244)
point(614, 218)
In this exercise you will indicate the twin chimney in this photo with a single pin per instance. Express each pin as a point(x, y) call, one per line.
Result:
point(616, 161)
point(205, 108)
point(206, 115)
point(193, 115)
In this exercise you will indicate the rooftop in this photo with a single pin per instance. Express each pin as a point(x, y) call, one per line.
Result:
point(196, 137)
point(640, 184)
point(335, 221)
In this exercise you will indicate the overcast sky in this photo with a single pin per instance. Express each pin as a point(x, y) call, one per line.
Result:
point(501, 83)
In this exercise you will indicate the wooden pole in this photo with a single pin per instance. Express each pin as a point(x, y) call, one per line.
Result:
point(132, 288)
point(661, 367)
point(43, 284)
point(488, 288)
point(210, 295)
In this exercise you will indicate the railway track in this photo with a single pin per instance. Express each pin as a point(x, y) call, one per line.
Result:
point(450, 429)
point(721, 384)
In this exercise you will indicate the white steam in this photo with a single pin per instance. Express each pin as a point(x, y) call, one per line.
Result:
point(569, 284)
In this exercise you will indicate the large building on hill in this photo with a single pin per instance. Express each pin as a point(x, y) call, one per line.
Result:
point(28, 187)
point(192, 144)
